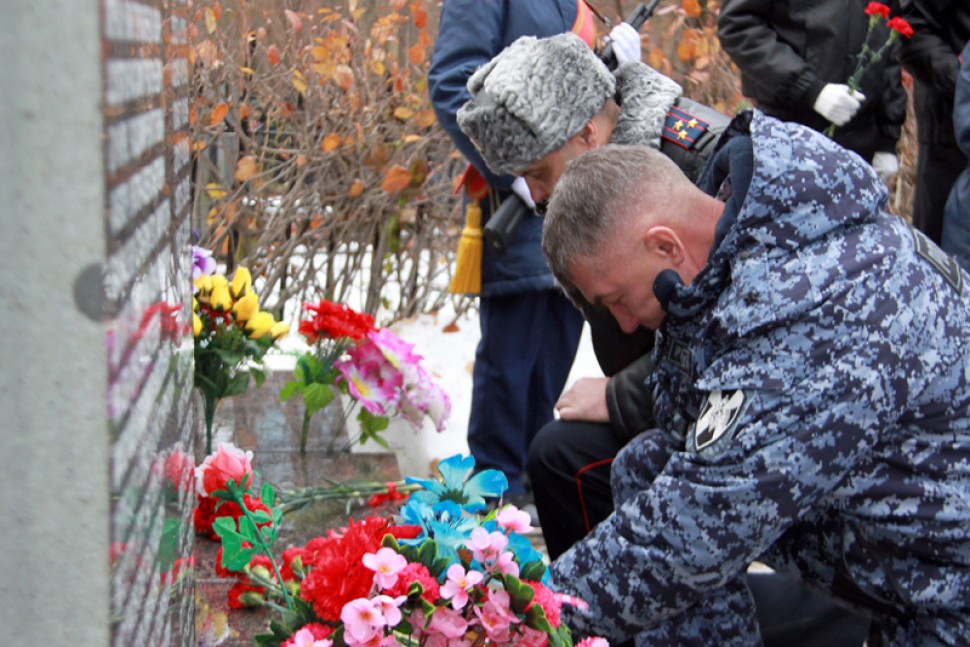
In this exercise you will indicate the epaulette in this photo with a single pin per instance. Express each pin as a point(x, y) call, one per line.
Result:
point(682, 128)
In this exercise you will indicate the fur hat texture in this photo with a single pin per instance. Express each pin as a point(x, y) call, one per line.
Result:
point(531, 98)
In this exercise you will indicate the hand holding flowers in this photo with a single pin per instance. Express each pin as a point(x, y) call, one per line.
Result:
point(898, 26)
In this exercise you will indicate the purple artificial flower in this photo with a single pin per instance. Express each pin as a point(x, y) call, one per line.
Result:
point(202, 262)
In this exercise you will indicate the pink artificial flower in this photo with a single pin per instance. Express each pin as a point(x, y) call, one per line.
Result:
point(496, 617)
point(458, 584)
point(506, 564)
point(227, 463)
point(362, 621)
point(372, 394)
point(305, 638)
point(390, 608)
point(486, 546)
point(571, 600)
point(396, 350)
point(448, 622)
point(529, 637)
point(593, 642)
point(386, 564)
point(511, 519)
point(421, 397)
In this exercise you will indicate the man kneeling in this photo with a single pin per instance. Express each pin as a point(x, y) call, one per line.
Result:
point(812, 391)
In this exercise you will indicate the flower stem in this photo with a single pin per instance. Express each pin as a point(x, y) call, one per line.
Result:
point(306, 430)
point(209, 404)
point(262, 546)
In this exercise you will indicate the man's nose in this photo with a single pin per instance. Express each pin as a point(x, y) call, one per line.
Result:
point(626, 322)
point(537, 190)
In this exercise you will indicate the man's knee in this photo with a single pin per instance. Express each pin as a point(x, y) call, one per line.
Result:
point(548, 448)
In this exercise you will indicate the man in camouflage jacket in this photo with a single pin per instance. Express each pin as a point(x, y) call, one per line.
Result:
point(811, 391)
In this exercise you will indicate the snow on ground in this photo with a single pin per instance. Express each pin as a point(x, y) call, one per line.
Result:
point(449, 357)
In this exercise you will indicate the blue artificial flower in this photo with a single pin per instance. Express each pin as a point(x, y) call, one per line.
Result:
point(445, 522)
point(455, 485)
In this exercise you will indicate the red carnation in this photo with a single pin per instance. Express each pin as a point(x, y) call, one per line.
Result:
point(237, 591)
point(290, 555)
point(336, 571)
point(335, 321)
point(411, 573)
point(877, 9)
point(900, 25)
point(545, 599)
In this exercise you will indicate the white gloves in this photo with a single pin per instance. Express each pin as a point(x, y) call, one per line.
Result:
point(837, 103)
point(885, 165)
point(521, 189)
point(626, 43)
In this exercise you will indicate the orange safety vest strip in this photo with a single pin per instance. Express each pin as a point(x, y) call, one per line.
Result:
point(585, 26)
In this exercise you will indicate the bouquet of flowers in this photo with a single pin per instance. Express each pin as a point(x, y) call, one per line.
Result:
point(371, 365)
point(231, 334)
point(227, 464)
point(441, 573)
point(877, 12)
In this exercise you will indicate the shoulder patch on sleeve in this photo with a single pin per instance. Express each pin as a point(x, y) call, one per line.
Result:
point(942, 262)
point(683, 128)
point(718, 418)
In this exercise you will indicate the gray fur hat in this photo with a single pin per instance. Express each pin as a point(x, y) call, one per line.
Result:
point(531, 98)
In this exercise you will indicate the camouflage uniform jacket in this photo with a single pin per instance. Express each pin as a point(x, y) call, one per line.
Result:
point(814, 384)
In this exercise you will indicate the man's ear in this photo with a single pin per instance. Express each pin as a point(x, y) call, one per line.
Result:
point(663, 242)
point(587, 136)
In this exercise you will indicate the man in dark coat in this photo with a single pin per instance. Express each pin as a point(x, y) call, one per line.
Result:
point(795, 58)
point(529, 329)
point(956, 215)
point(940, 30)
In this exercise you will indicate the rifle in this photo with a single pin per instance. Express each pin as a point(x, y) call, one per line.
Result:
point(501, 227)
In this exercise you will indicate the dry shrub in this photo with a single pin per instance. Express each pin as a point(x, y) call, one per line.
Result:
point(319, 163)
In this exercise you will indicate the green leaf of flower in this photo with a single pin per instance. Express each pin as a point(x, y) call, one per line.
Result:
point(289, 390)
point(533, 571)
point(520, 593)
point(370, 427)
point(317, 396)
point(267, 495)
point(239, 561)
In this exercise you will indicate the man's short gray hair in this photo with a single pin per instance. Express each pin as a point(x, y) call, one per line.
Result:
point(597, 192)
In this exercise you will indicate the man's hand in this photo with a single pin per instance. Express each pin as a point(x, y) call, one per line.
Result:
point(585, 400)
point(837, 103)
point(626, 43)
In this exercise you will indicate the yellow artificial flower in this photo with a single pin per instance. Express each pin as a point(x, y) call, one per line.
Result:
point(279, 329)
point(242, 282)
point(196, 325)
point(246, 307)
point(259, 324)
point(203, 284)
point(220, 298)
